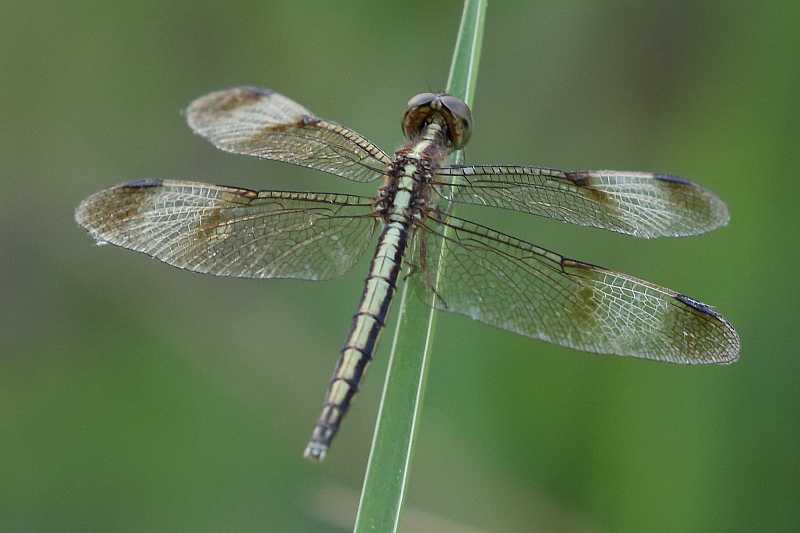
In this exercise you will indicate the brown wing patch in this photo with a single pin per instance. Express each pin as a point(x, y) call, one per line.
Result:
point(585, 310)
point(211, 224)
point(586, 305)
point(115, 207)
point(585, 181)
point(213, 221)
point(230, 100)
point(267, 133)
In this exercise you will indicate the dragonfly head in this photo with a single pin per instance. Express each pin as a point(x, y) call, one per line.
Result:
point(425, 106)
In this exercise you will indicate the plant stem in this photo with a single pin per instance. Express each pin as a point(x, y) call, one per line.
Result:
point(400, 409)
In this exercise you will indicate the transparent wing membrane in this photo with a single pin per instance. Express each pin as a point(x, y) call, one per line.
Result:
point(641, 204)
point(519, 287)
point(226, 231)
point(265, 124)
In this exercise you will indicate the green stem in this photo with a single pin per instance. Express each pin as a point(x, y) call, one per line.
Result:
point(392, 445)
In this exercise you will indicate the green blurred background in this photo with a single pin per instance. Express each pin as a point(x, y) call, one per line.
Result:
point(135, 397)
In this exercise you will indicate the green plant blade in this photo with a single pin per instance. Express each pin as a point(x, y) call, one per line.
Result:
point(400, 409)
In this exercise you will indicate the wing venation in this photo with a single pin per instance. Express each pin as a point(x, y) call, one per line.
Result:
point(520, 287)
point(641, 204)
point(227, 231)
point(268, 125)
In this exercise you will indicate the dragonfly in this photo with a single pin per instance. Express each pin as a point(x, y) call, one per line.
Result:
point(453, 264)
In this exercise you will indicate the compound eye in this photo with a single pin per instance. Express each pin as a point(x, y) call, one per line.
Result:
point(461, 122)
point(458, 108)
point(421, 99)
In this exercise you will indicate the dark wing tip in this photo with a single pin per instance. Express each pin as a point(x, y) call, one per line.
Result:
point(106, 209)
point(698, 306)
point(700, 202)
point(729, 352)
point(256, 91)
point(145, 183)
point(673, 179)
point(87, 216)
point(225, 101)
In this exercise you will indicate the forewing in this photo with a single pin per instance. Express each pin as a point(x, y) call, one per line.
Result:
point(265, 124)
point(519, 287)
point(227, 231)
point(641, 204)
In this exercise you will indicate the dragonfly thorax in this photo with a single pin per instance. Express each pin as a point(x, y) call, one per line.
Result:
point(456, 114)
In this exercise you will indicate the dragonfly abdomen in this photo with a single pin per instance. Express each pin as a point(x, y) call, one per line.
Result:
point(399, 201)
point(361, 341)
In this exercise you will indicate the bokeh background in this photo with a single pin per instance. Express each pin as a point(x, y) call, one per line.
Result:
point(135, 397)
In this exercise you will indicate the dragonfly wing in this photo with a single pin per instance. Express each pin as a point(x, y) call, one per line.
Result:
point(266, 124)
point(519, 287)
point(641, 204)
point(227, 231)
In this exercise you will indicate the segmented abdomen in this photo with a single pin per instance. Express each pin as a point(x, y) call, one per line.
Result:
point(367, 324)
